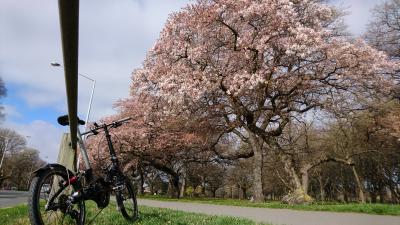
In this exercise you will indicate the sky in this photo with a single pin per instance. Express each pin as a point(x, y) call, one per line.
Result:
point(114, 37)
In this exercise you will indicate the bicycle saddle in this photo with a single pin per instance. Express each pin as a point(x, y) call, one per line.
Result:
point(64, 121)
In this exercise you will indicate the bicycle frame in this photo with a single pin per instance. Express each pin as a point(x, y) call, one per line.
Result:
point(82, 149)
point(111, 150)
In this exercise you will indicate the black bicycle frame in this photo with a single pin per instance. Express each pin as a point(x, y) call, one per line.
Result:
point(111, 149)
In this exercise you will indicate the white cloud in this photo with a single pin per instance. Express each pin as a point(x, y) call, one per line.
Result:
point(40, 97)
point(114, 39)
point(359, 13)
point(42, 136)
point(11, 112)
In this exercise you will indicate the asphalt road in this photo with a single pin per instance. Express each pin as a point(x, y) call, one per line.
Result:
point(12, 198)
point(278, 216)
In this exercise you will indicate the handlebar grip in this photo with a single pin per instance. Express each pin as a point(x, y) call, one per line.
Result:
point(124, 120)
point(120, 122)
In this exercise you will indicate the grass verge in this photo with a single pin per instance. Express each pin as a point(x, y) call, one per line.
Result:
point(376, 209)
point(148, 216)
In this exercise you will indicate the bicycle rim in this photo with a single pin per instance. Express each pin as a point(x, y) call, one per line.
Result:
point(61, 211)
point(127, 203)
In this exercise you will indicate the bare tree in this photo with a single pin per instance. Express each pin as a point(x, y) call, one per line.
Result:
point(10, 141)
point(19, 176)
point(240, 175)
point(384, 29)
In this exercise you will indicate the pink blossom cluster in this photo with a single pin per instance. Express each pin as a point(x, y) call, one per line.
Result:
point(240, 48)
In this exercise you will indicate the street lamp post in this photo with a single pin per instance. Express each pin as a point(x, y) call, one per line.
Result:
point(4, 151)
point(56, 64)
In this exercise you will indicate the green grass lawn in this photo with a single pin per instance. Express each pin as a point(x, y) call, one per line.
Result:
point(148, 216)
point(378, 209)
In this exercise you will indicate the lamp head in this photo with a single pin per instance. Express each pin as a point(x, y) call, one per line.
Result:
point(55, 64)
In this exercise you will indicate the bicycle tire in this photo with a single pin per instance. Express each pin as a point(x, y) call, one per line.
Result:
point(36, 194)
point(127, 203)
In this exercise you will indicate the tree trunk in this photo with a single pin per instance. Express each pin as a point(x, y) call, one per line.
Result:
point(322, 192)
point(2, 179)
point(183, 186)
point(373, 197)
point(305, 181)
point(300, 182)
point(173, 187)
point(257, 168)
point(203, 186)
point(382, 196)
point(321, 188)
point(345, 197)
point(395, 197)
point(141, 189)
point(359, 185)
point(244, 190)
point(296, 179)
point(152, 188)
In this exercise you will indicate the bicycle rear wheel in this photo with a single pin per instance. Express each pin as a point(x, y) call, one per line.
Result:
point(43, 211)
point(126, 200)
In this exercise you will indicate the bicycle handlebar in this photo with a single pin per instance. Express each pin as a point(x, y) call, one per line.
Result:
point(123, 120)
point(103, 126)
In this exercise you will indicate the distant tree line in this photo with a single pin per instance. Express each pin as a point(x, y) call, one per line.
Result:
point(18, 160)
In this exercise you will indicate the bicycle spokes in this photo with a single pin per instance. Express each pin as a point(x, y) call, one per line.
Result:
point(55, 207)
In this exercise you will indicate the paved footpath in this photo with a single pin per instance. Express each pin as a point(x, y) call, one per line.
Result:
point(12, 198)
point(278, 216)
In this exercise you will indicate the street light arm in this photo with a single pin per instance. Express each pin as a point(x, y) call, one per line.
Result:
point(90, 105)
point(87, 77)
point(56, 64)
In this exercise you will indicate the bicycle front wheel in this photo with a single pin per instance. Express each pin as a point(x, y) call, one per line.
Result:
point(49, 203)
point(126, 200)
